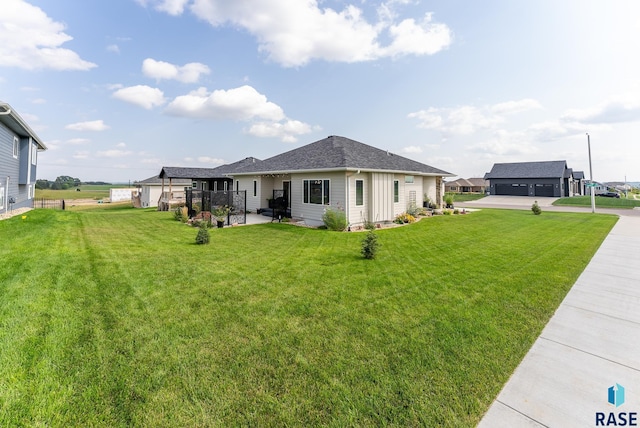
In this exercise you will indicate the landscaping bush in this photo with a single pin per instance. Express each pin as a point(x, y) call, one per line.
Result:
point(369, 225)
point(203, 236)
point(414, 210)
point(404, 218)
point(181, 214)
point(334, 219)
point(370, 245)
point(536, 208)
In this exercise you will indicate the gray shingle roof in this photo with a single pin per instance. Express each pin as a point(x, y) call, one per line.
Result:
point(157, 180)
point(339, 153)
point(206, 173)
point(546, 169)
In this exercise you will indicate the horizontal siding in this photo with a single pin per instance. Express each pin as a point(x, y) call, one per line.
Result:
point(9, 171)
point(312, 213)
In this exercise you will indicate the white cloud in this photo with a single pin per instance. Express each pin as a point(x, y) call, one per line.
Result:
point(141, 95)
point(81, 155)
point(78, 141)
point(114, 153)
point(121, 145)
point(113, 48)
point(286, 131)
point(188, 73)
point(615, 111)
point(294, 32)
point(30, 40)
point(468, 119)
point(243, 103)
point(210, 160)
point(93, 125)
point(504, 143)
point(412, 149)
point(424, 38)
point(39, 101)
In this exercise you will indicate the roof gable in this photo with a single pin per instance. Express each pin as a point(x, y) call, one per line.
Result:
point(12, 120)
point(221, 171)
point(339, 153)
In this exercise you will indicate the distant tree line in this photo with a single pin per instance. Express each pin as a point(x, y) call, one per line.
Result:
point(64, 182)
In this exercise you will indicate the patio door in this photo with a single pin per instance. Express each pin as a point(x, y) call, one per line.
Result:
point(286, 186)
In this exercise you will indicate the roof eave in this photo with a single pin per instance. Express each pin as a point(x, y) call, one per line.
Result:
point(6, 109)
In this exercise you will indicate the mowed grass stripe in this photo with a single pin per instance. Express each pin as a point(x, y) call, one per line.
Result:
point(114, 317)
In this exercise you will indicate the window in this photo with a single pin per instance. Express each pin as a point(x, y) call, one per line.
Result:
point(315, 192)
point(194, 185)
point(16, 147)
point(396, 191)
point(225, 186)
point(1, 198)
point(237, 185)
point(359, 192)
point(30, 191)
point(215, 186)
point(34, 154)
point(408, 178)
point(255, 187)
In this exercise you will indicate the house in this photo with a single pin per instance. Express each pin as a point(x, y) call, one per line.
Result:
point(19, 147)
point(548, 178)
point(149, 191)
point(172, 180)
point(463, 185)
point(368, 183)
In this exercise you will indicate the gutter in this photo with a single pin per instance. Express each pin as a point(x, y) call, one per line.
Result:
point(8, 111)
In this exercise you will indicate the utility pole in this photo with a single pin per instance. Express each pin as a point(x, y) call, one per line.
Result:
point(592, 184)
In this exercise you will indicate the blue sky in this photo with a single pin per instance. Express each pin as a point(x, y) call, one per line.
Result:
point(119, 89)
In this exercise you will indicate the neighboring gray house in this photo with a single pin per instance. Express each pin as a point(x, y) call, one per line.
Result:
point(366, 182)
point(549, 178)
point(19, 147)
point(172, 180)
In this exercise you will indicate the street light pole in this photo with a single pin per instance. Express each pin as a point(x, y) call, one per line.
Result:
point(592, 184)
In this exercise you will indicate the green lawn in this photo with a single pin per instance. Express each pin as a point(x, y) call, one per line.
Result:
point(602, 202)
point(115, 318)
point(465, 197)
point(87, 191)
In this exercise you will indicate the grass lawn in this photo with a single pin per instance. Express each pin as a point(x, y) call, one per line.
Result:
point(602, 202)
point(466, 197)
point(87, 191)
point(114, 317)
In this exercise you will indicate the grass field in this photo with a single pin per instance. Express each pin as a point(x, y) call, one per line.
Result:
point(602, 202)
point(114, 317)
point(87, 191)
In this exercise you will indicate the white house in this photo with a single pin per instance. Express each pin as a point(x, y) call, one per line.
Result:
point(369, 184)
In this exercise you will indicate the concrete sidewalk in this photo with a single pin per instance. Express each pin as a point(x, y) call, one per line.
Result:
point(590, 344)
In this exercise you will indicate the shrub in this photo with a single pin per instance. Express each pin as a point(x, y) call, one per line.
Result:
point(369, 225)
point(334, 219)
point(414, 210)
point(448, 200)
point(404, 218)
point(370, 245)
point(536, 208)
point(203, 233)
point(181, 214)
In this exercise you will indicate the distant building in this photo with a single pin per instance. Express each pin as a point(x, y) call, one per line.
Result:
point(547, 178)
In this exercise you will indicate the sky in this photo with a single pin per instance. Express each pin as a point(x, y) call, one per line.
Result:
point(119, 89)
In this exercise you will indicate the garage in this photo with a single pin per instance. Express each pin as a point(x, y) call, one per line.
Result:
point(513, 189)
point(544, 190)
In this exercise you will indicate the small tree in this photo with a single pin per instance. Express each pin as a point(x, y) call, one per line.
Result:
point(203, 233)
point(370, 245)
point(536, 208)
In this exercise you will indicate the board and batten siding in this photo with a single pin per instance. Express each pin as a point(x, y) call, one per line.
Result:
point(429, 187)
point(312, 213)
point(381, 201)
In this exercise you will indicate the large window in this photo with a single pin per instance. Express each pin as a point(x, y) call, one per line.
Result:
point(359, 192)
point(396, 191)
point(315, 192)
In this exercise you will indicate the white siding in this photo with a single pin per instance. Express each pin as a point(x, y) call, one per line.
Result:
point(357, 214)
point(312, 213)
point(429, 188)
